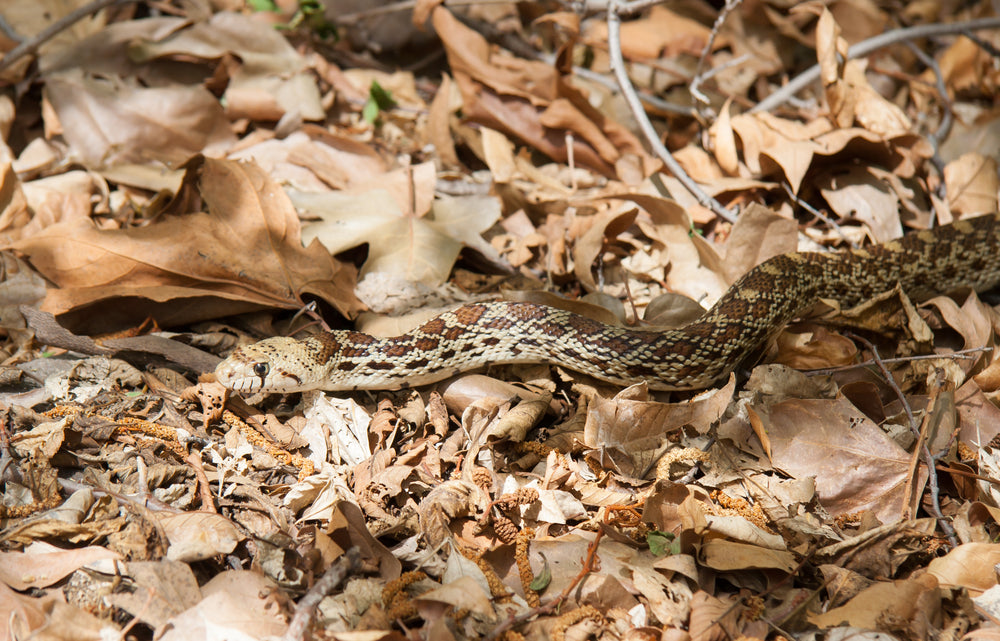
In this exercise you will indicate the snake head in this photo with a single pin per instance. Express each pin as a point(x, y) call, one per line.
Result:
point(274, 365)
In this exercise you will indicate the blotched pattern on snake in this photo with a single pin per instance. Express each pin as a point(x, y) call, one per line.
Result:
point(753, 310)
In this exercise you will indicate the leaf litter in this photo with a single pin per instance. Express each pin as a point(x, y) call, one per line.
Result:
point(175, 185)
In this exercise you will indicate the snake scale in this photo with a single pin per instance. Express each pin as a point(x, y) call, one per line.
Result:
point(964, 253)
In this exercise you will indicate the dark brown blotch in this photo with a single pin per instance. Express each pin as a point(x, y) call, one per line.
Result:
point(433, 326)
point(396, 351)
point(328, 346)
point(583, 324)
point(499, 323)
point(355, 338)
point(426, 343)
point(469, 314)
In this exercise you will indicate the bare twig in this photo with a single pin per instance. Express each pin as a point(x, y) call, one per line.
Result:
point(921, 432)
point(866, 47)
point(709, 114)
point(947, 118)
point(30, 46)
point(931, 460)
point(816, 213)
point(143, 501)
point(306, 607)
point(628, 9)
point(964, 353)
point(696, 81)
point(653, 101)
point(628, 92)
point(590, 564)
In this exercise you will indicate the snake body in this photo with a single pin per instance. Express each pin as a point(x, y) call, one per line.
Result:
point(753, 310)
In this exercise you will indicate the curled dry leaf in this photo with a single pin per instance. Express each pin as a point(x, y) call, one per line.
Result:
point(446, 502)
point(636, 426)
point(195, 536)
point(515, 96)
point(243, 253)
point(663, 33)
point(464, 593)
point(758, 234)
point(236, 605)
point(164, 589)
point(906, 603)
point(856, 192)
point(722, 555)
point(972, 565)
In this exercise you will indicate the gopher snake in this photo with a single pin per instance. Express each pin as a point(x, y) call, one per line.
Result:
point(754, 309)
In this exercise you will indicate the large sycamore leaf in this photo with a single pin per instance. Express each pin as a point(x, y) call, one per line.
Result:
point(243, 252)
point(409, 233)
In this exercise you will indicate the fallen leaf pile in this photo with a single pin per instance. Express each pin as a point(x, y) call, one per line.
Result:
point(181, 178)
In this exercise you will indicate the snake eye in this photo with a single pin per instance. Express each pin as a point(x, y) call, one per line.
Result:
point(260, 369)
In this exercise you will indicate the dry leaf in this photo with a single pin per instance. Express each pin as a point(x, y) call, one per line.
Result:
point(244, 253)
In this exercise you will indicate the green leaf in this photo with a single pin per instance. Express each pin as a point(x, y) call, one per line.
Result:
point(263, 5)
point(543, 578)
point(370, 111)
point(381, 96)
point(379, 99)
point(662, 543)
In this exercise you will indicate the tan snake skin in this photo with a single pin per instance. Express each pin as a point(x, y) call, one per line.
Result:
point(753, 310)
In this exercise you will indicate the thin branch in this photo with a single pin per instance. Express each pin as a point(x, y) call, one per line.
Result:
point(866, 47)
point(931, 460)
point(651, 100)
point(298, 628)
point(963, 353)
point(31, 45)
point(629, 9)
point(944, 127)
point(920, 431)
point(696, 81)
point(405, 5)
point(817, 214)
point(628, 92)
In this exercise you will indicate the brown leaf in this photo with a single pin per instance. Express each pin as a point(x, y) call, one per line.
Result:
point(243, 254)
point(663, 33)
point(636, 426)
point(856, 465)
point(972, 184)
point(758, 234)
point(41, 564)
point(513, 96)
point(110, 121)
point(909, 606)
point(970, 566)
point(855, 192)
point(411, 236)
